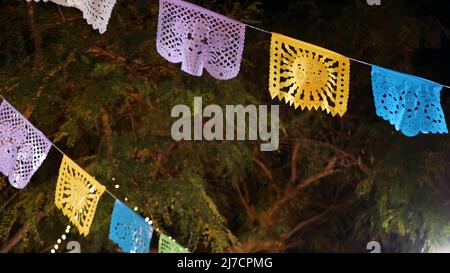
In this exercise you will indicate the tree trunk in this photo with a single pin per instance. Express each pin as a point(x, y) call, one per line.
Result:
point(17, 237)
point(14, 240)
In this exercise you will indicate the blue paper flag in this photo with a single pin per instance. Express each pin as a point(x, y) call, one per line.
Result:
point(129, 230)
point(411, 104)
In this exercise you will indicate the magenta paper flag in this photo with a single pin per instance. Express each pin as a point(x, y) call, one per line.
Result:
point(23, 148)
point(200, 39)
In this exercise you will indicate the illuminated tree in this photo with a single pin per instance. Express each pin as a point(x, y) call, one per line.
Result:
point(334, 185)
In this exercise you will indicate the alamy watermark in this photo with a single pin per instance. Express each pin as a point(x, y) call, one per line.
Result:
point(374, 247)
point(374, 2)
point(73, 247)
point(212, 124)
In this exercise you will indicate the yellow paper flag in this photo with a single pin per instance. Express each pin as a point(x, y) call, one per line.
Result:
point(308, 76)
point(77, 195)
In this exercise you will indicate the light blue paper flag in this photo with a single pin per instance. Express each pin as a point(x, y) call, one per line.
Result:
point(411, 104)
point(129, 230)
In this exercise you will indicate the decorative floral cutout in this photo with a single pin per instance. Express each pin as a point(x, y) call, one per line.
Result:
point(129, 230)
point(199, 38)
point(23, 148)
point(168, 245)
point(10, 139)
point(77, 195)
point(411, 104)
point(308, 76)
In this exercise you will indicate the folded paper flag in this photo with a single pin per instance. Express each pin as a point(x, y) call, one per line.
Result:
point(411, 104)
point(129, 230)
point(168, 245)
point(23, 148)
point(199, 38)
point(77, 195)
point(307, 76)
point(95, 12)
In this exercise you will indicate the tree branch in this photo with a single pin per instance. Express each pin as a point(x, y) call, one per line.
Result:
point(36, 37)
point(350, 156)
point(263, 167)
point(18, 236)
point(290, 192)
point(294, 161)
point(9, 200)
point(107, 131)
point(135, 65)
point(247, 207)
point(14, 240)
point(132, 120)
point(267, 173)
point(308, 222)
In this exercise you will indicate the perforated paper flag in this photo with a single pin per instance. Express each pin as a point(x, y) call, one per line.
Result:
point(77, 195)
point(168, 245)
point(411, 104)
point(200, 39)
point(308, 76)
point(129, 230)
point(95, 12)
point(23, 148)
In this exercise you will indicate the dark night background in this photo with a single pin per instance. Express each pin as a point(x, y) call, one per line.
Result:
point(334, 185)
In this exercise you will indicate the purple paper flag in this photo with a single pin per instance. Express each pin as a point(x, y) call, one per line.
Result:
point(23, 148)
point(199, 38)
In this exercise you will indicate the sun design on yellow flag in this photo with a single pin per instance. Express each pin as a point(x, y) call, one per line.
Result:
point(77, 195)
point(308, 76)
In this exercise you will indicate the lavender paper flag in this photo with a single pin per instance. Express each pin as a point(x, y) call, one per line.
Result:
point(199, 38)
point(95, 12)
point(23, 148)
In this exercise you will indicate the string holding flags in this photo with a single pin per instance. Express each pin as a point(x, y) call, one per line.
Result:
point(23, 148)
point(95, 12)
point(301, 74)
point(77, 195)
point(410, 103)
point(200, 39)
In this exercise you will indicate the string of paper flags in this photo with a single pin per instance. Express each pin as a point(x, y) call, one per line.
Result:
point(301, 74)
point(23, 148)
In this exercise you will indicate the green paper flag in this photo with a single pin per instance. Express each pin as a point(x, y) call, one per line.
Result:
point(168, 245)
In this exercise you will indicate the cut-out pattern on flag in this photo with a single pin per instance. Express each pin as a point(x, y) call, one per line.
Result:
point(308, 76)
point(129, 230)
point(168, 245)
point(199, 38)
point(95, 12)
point(77, 195)
point(23, 148)
point(411, 104)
